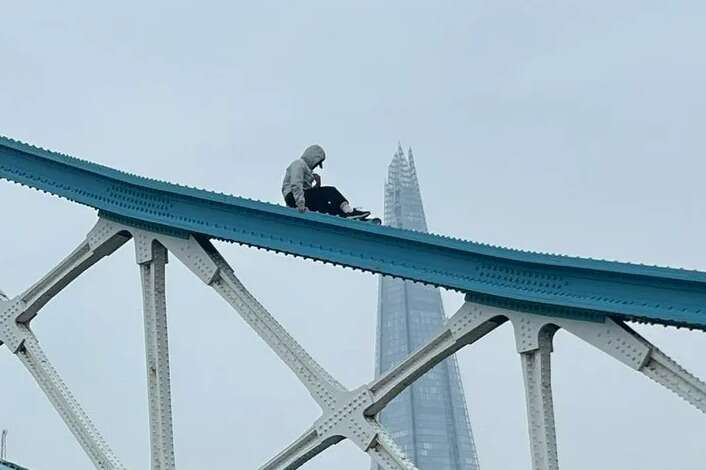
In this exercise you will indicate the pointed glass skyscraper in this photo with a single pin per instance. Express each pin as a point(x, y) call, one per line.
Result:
point(429, 420)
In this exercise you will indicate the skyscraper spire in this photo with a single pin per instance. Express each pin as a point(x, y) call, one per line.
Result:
point(410, 158)
point(413, 175)
point(402, 183)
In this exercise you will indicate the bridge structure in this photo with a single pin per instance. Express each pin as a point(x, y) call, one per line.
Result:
point(537, 293)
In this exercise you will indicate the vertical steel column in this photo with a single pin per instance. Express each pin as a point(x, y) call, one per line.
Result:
point(536, 369)
point(152, 258)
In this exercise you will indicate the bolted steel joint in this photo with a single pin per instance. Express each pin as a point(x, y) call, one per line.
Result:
point(12, 334)
point(348, 419)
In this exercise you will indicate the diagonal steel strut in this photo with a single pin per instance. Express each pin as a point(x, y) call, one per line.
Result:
point(331, 429)
point(49, 380)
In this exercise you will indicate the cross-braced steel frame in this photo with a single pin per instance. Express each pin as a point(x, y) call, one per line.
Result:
point(346, 414)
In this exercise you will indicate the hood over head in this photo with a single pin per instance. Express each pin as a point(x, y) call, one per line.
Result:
point(314, 156)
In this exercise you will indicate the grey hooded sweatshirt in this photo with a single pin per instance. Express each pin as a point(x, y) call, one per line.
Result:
point(300, 174)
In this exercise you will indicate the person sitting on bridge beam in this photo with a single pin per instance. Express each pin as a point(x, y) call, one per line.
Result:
point(302, 188)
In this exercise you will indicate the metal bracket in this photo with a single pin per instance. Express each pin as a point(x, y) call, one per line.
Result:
point(332, 428)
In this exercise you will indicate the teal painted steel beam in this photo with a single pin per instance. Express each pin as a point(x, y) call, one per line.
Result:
point(567, 286)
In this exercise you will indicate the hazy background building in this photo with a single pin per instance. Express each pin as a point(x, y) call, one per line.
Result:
point(430, 419)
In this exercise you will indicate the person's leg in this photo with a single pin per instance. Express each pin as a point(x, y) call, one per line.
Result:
point(326, 199)
point(329, 200)
point(344, 209)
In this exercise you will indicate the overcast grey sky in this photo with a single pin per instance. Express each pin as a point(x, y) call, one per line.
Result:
point(567, 127)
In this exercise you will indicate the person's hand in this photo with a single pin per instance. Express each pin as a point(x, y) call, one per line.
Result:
point(317, 179)
point(303, 209)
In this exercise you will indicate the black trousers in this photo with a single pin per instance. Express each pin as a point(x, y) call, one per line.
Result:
point(326, 199)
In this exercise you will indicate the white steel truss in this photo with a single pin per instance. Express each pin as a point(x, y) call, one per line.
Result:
point(346, 414)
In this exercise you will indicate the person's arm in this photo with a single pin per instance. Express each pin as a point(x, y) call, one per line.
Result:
point(297, 182)
point(317, 180)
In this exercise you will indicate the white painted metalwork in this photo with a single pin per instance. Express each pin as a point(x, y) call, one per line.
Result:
point(536, 370)
point(346, 414)
point(3, 435)
point(152, 258)
point(37, 363)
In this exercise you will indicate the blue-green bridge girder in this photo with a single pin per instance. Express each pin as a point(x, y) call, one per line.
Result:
point(552, 284)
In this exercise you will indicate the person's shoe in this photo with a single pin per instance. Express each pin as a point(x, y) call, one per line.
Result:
point(357, 214)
